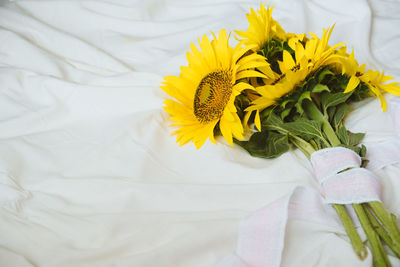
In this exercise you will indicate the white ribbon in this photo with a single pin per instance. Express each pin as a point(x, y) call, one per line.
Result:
point(262, 234)
point(340, 185)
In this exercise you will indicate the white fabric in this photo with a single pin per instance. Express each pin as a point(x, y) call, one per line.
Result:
point(387, 152)
point(89, 175)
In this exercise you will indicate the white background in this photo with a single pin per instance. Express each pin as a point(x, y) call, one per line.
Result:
point(89, 174)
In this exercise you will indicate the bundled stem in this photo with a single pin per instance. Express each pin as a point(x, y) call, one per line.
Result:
point(395, 247)
point(386, 219)
point(348, 225)
point(385, 229)
point(351, 231)
point(380, 257)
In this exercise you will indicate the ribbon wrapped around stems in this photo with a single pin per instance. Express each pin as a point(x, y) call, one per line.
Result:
point(261, 235)
point(340, 185)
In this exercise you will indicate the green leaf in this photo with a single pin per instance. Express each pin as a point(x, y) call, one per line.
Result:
point(342, 135)
point(285, 113)
point(364, 163)
point(338, 83)
point(299, 104)
point(363, 151)
point(310, 83)
point(266, 144)
point(288, 48)
point(355, 138)
point(304, 128)
point(301, 127)
point(277, 144)
point(356, 149)
point(331, 113)
point(348, 138)
point(273, 50)
point(324, 73)
point(333, 99)
point(361, 92)
point(340, 113)
point(241, 103)
point(284, 103)
point(313, 112)
point(320, 88)
point(273, 123)
point(264, 115)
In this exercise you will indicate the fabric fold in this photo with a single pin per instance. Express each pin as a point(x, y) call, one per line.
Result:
point(386, 152)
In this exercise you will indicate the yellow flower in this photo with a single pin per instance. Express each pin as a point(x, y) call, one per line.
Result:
point(307, 58)
point(351, 68)
point(316, 51)
point(205, 90)
point(293, 73)
point(374, 79)
point(309, 55)
point(262, 27)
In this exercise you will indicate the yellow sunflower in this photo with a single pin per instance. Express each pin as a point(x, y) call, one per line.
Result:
point(205, 90)
point(319, 53)
point(262, 27)
point(376, 80)
point(294, 71)
point(309, 55)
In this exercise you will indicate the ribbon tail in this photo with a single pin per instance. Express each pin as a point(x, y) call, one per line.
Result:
point(262, 234)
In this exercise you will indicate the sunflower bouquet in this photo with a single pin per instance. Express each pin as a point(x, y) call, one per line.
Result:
point(275, 90)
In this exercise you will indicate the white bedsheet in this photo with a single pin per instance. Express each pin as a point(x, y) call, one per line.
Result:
point(89, 175)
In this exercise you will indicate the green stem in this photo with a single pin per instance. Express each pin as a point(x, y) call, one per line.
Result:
point(314, 145)
point(380, 257)
point(330, 133)
point(351, 231)
point(382, 232)
point(387, 220)
point(394, 222)
point(314, 113)
point(348, 225)
point(298, 145)
point(303, 145)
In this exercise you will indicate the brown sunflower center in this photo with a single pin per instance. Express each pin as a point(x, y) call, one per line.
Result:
point(212, 95)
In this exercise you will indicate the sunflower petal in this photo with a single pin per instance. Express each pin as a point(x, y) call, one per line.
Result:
point(352, 84)
point(253, 65)
point(257, 121)
point(249, 73)
point(288, 60)
point(226, 131)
